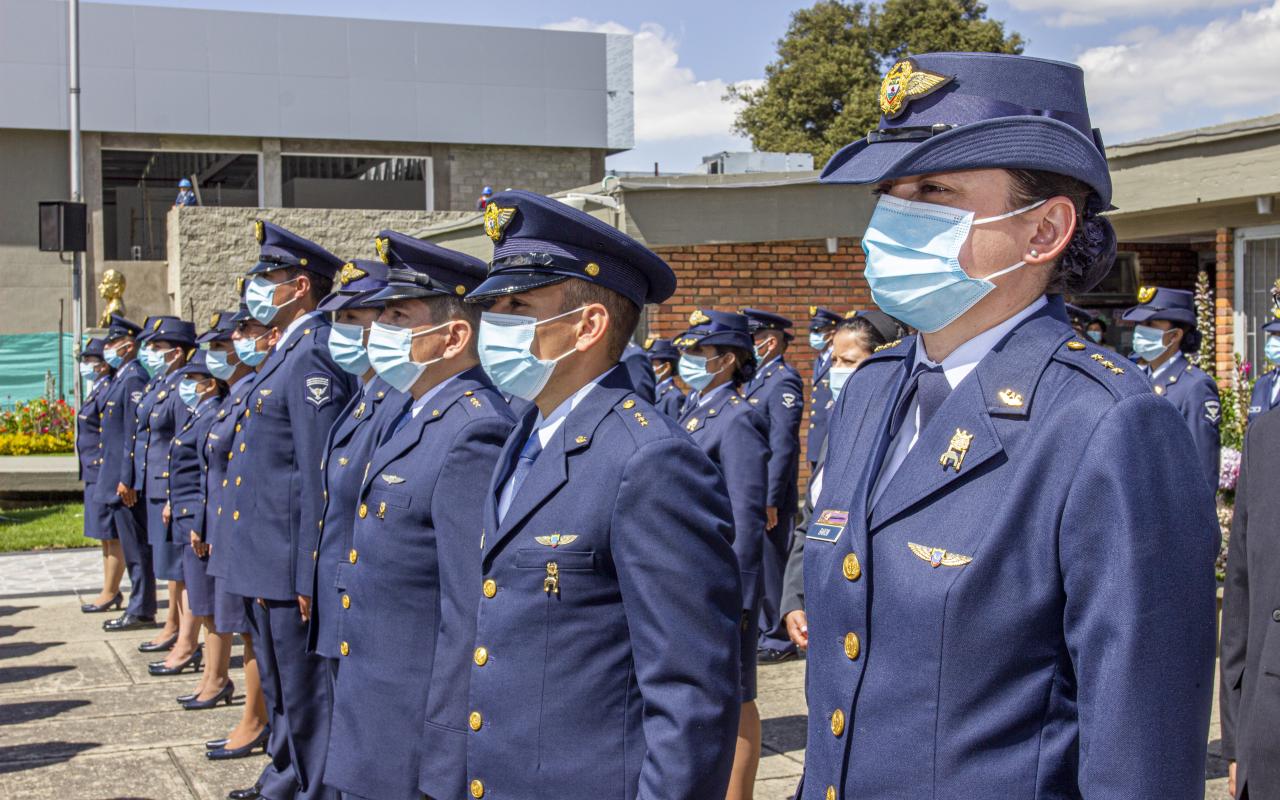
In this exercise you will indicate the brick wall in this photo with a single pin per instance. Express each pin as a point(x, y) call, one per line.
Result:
point(538, 169)
point(1173, 266)
point(1223, 298)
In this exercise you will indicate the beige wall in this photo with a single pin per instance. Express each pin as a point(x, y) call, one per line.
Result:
point(539, 169)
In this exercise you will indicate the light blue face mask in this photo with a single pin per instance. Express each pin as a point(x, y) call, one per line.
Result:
point(390, 354)
point(1096, 336)
point(247, 352)
point(693, 371)
point(506, 353)
point(346, 345)
point(219, 365)
point(87, 371)
point(818, 341)
point(259, 296)
point(1148, 342)
point(154, 361)
point(836, 377)
point(1272, 349)
point(913, 261)
point(187, 391)
point(112, 357)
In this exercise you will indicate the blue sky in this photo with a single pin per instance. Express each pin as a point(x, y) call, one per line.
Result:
point(1152, 66)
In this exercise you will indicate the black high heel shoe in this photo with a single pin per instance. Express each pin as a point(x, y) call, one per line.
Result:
point(222, 753)
point(224, 695)
point(167, 644)
point(216, 744)
point(183, 699)
point(193, 663)
point(95, 608)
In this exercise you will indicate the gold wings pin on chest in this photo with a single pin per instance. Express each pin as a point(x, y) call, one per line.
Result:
point(556, 539)
point(938, 557)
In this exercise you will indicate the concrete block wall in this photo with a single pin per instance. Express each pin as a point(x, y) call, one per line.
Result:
point(539, 169)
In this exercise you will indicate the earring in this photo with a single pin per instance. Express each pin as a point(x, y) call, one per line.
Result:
point(1034, 253)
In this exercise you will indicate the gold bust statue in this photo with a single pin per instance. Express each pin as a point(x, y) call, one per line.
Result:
point(111, 289)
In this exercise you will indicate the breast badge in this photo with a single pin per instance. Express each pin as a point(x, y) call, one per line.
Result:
point(937, 557)
point(829, 525)
point(954, 456)
point(556, 539)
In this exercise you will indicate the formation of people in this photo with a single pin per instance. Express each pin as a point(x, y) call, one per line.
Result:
point(477, 543)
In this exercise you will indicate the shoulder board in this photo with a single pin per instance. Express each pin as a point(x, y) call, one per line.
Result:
point(1118, 374)
point(891, 351)
point(644, 422)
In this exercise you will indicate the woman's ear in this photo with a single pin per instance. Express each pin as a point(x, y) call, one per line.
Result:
point(1053, 233)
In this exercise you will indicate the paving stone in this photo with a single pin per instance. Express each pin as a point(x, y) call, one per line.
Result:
point(212, 780)
point(77, 772)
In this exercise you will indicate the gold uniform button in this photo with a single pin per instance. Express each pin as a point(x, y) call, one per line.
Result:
point(837, 722)
point(237, 427)
point(237, 480)
point(831, 793)
point(481, 656)
point(345, 649)
point(352, 556)
point(490, 588)
point(852, 569)
point(852, 646)
point(475, 721)
point(235, 515)
point(364, 511)
point(477, 789)
point(242, 447)
point(224, 483)
point(346, 601)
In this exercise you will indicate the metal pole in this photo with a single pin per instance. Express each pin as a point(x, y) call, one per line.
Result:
point(77, 195)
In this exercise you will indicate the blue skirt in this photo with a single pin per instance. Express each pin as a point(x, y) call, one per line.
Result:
point(195, 571)
point(749, 628)
point(166, 555)
point(229, 615)
point(97, 517)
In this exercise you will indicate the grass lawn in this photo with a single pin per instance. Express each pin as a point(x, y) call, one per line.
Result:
point(54, 527)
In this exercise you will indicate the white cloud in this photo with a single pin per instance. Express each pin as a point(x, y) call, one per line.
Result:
point(671, 102)
point(1071, 13)
point(1183, 78)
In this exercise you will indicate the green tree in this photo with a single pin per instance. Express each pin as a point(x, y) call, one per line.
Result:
point(822, 91)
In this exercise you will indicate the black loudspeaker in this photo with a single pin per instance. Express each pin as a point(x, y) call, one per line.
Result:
point(62, 227)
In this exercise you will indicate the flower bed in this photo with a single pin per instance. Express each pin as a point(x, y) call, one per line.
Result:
point(38, 427)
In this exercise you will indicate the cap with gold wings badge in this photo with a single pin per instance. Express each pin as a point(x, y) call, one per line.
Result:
point(905, 82)
point(496, 220)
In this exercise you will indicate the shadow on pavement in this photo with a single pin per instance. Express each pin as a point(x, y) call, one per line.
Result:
point(14, 674)
point(784, 734)
point(9, 630)
point(1215, 766)
point(20, 649)
point(19, 757)
point(9, 611)
point(18, 713)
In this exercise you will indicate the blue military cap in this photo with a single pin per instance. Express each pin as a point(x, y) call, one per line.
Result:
point(538, 241)
point(1154, 302)
point(956, 111)
point(197, 364)
point(358, 281)
point(221, 324)
point(822, 318)
point(888, 327)
point(723, 328)
point(119, 327)
point(758, 320)
point(170, 329)
point(423, 269)
point(92, 348)
point(661, 349)
point(281, 249)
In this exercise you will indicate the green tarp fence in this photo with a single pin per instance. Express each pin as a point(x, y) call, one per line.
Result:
point(25, 361)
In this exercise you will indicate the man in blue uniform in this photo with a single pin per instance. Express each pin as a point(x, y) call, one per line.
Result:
point(777, 392)
point(1266, 389)
point(1165, 332)
point(613, 589)
point(413, 582)
point(662, 358)
point(97, 517)
point(1008, 578)
point(119, 427)
point(276, 455)
point(822, 326)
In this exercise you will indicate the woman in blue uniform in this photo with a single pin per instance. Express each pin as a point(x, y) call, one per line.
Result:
point(1008, 577)
point(716, 361)
point(1165, 333)
point(97, 518)
point(1266, 390)
point(664, 356)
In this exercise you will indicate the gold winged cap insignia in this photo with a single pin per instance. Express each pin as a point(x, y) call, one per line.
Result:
point(556, 539)
point(350, 272)
point(698, 318)
point(937, 557)
point(496, 220)
point(1146, 294)
point(906, 82)
point(383, 246)
point(259, 231)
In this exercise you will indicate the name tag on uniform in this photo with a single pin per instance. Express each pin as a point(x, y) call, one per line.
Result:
point(828, 527)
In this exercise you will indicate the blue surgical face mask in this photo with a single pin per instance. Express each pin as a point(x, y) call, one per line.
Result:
point(346, 346)
point(506, 353)
point(913, 261)
point(818, 341)
point(259, 296)
point(151, 361)
point(1148, 342)
point(390, 353)
point(693, 371)
point(247, 352)
point(1096, 336)
point(112, 357)
point(187, 391)
point(219, 364)
point(836, 378)
point(87, 371)
point(1272, 349)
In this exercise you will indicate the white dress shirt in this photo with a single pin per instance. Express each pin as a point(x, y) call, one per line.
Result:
point(293, 326)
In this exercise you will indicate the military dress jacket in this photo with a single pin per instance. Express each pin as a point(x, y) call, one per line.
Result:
point(351, 440)
point(186, 470)
point(159, 414)
point(1029, 604)
point(1195, 395)
point(119, 427)
point(736, 439)
point(273, 532)
point(606, 658)
point(89, 430)
point(1260, 400)
point(228, 420)
point(820, 405)
point(670, 399)
point(640, 369)
point(412, 584)
point(777, 393)
point(1250, 693)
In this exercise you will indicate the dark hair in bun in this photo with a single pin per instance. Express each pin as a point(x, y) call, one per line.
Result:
point(1091, 252)
point(744, 368)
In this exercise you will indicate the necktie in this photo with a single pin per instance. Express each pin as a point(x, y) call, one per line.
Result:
point(929, 387)
point(528, 454)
